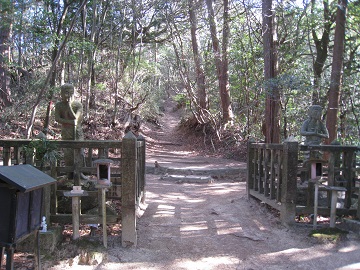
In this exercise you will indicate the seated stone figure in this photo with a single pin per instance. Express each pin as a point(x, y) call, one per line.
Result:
point(313, 128)
point(69, 113)
point(314, 131)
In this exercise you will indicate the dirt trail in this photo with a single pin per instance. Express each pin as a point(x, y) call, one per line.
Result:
point(212, 225)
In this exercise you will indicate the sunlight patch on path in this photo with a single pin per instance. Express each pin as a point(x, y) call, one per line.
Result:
point(208, 263)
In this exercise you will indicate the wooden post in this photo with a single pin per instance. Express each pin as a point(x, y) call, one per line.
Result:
point(77, 165)
point(128, 190)
point(75, 216)
point(17, 155)
point(142, 162)
point(10, 258)
point(349, 160)
point(261, 174)
point(288, 186)
point(46, 203)
point(250, 168)
point(76, 210)
point(102, 190)
point(103, 214)
point(267, 168)
point(358, 208)
point(30, 159)
point(316, 202)
point(333, 208)
point(6, 156)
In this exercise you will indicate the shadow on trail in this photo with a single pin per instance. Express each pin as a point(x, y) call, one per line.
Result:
point(214, 226)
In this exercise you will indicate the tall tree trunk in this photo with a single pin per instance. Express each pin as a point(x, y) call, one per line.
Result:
point(6, 18)
point(91, 60)
point(221, 61)
point(96, 28)
point(336, 72)
point(224, 79)
point(321, 45)
point(272, 105)
point(200, 76)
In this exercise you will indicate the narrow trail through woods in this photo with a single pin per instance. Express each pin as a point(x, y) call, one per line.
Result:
point(212, 225)
point(171, 148)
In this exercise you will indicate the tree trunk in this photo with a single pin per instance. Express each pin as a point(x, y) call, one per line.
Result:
point(321, 45)
point(221, 59)
point(336, 72)
point(200, 76)
point(91, 61)
point(272, 125)
point(224, 79)
point(6, 18)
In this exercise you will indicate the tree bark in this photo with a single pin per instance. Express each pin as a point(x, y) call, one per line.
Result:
point(6, 18)
point(336, 72)
point(321, 45)
point(221, 60)
point(272, 105)
point(200, 76)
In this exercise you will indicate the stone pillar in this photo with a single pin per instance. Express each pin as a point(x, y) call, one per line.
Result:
point(128, 190)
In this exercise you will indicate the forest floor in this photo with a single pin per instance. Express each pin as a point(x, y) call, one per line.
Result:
point(210, 224)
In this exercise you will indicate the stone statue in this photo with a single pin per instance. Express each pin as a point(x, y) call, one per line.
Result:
point(43, 224)
point(69, 113)
point(313, 128)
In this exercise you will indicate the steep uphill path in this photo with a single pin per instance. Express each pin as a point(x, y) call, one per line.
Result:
point(211, 225)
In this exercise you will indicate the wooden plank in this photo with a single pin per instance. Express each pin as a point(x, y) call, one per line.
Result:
point(278, 146)
point(279, 176)
point(323, 211)
point(272, 175)
point(274, 204)
point(60, 192)
point(329, 148)
point(260, 171)
point(84, 219)
point(267, 168)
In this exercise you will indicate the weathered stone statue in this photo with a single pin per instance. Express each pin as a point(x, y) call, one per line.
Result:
point(313, 128)
point(69, 113)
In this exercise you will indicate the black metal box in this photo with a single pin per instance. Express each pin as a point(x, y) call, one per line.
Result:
point(21, 189)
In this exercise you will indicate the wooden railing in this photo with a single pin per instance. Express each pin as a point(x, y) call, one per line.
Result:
point(272, 170)
point(127, 175)
point(338, 166)
point(278, 172)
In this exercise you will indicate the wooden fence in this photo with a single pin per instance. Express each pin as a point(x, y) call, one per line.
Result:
point(127, 175)
point(272, 170)
point(278, 173)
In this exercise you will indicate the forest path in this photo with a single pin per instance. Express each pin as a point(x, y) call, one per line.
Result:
point(211, 225)
point(173, 154)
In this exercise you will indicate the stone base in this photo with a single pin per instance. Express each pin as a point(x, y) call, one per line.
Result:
point(48, 241)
